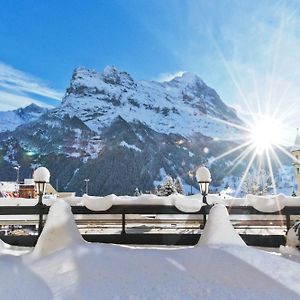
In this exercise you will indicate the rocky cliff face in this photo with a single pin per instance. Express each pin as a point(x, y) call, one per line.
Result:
point(184, 105)
point(121, 133)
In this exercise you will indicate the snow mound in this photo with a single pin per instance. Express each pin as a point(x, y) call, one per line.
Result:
point(98, 203)
point(2, 244)
point(218, 229)
point(188, 204)
point(100, 271)
point(74, 201)
point(60, 231)
point(225, 200)
point(292, 201)
point(289, 251)
point(266, 203)
point(145, 199)
point(293, 236)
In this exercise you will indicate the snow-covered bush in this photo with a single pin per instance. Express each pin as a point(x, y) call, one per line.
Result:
point(293, 236)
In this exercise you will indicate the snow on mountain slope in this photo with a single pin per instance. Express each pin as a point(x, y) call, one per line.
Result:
point(110, 122)
point(10, 120)
point(184, 105)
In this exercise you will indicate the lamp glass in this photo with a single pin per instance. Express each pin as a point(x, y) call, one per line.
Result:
point(204, 187)
point(41, 187)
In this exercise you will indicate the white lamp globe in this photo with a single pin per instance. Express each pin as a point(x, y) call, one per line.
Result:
point(41, 174)
point(203, 175)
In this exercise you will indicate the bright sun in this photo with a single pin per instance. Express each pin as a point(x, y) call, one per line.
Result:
point(266, 133)
point(261, 142)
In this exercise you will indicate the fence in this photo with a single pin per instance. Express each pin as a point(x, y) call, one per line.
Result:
point(255, 227)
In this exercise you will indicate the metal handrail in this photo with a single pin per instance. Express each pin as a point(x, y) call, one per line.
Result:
point(151, 238)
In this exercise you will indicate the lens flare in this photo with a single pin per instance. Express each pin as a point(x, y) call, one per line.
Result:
point(260, 140)
point(266, 133)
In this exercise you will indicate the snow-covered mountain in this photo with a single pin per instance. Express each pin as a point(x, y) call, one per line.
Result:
point(184, 105)
point(122, 134)
point(10, 120)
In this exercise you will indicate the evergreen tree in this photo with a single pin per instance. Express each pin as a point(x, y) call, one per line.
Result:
point(137, 192)
point(257, 183)
point(179, 186)
point(168, 187)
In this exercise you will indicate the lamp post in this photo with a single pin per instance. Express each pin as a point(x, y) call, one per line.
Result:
point(41, 177)
point(191, 175)
point(17, 168)
point(204, 179)
point(86, 180)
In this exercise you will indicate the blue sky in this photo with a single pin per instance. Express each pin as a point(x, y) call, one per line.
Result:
point(247, 50)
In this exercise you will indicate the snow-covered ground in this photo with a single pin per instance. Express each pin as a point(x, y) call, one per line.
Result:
point(221, 266)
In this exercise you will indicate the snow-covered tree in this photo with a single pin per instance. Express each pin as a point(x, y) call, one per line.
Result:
point(167, 188)
point(137, 192)
point(257, 183)
point(155, 191)
point(179, 186)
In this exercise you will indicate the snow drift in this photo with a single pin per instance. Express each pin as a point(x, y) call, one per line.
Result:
point(188, 204)
point(266, 203)
point(92, 271)
point(98, 203)
point(60, 231)
point(218, 229)
point(2, 244)
point(292, 241)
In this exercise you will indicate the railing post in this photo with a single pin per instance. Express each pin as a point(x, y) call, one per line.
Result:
point(41, 214)
point(204, 219)
point(206, 210)
point(288, 221)
point(123, 233)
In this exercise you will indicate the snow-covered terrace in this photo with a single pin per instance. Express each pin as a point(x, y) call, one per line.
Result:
point(63, 266)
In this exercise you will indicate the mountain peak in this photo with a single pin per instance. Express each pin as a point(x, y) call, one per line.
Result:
point(108, 70)
point(31, 109)
point(189, 77)
point(32, 106)
point(80, 72)
point(113, 76)
point(10, 120)
point(97, 98)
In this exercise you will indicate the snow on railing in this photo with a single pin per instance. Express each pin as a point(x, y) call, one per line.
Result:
point(183, 203)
